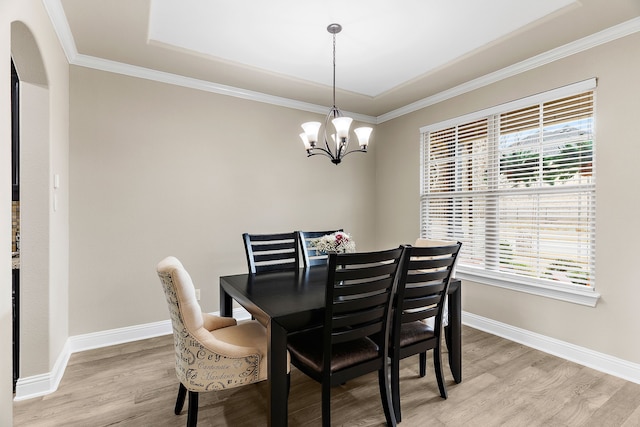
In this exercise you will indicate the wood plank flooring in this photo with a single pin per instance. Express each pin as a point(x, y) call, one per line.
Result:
point(504, 384)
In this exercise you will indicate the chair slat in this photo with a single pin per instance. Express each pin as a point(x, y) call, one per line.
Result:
point(426, 264)
point(360, 317)
point(351, 288)
point(419, 315)
point(346, 335)
point(279, 256)
point(429, 300)
point(373, 270)
point(273, 247)
point(427, 276)
point(272, 237)
point(359, 304)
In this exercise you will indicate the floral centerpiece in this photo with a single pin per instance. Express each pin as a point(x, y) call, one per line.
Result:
point(339, 242)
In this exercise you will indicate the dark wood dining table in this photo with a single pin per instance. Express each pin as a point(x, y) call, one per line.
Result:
point(291, 301)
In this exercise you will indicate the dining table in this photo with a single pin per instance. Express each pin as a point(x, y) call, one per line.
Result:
point(287, 302)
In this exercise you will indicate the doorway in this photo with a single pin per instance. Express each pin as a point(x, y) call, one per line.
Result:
point(15, 220)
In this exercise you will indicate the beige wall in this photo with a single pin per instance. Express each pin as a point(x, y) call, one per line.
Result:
point(161, 170)
point(611, 327)
point(26, 34)
point(34, 250)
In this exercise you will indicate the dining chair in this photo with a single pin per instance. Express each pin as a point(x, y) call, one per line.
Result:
point(310, 256)
point(354, 340)
point(272, 252)
point(423, 284)
point(211, 352)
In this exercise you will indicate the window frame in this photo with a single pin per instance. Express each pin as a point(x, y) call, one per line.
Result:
point(579, 294)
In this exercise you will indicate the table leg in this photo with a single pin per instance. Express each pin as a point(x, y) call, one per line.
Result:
point(453, 334)
point(226, 304)
point(277, 380)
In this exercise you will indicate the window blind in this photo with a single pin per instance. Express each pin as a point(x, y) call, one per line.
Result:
point(517, 187)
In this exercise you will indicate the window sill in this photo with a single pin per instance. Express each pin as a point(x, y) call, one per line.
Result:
point(569, 293)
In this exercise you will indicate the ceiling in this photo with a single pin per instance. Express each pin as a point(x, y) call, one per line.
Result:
point(388, 55)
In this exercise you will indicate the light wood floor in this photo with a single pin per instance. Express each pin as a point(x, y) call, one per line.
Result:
point(504, 384)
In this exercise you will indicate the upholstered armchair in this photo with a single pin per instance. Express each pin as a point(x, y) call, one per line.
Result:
point(211, 352)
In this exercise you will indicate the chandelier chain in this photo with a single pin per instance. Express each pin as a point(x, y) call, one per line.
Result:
point(334, 70)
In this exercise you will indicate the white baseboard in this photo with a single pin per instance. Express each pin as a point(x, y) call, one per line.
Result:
point(40, 385)
point(599, 361)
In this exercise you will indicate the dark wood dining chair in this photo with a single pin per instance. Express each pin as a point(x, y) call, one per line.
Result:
point(272, 252)
point(310, 256)
point(354, 340)
point(423, 284)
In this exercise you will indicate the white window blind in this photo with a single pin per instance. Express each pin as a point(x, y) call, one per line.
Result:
point(516, 185)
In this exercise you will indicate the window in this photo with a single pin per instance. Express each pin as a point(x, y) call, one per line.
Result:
point(516, 185)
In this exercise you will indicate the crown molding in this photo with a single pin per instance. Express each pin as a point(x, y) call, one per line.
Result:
point(204, 85)
point(61, 27)
point(585, 43)
point(56, 14)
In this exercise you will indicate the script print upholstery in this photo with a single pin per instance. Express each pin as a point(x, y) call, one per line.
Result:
point(197, 367)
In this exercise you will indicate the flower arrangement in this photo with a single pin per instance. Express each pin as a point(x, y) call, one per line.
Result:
point(339, 242)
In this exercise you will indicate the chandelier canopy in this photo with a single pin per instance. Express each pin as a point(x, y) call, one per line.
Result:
point(338, 148)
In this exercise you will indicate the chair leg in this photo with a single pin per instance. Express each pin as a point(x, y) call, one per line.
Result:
point(192, 415)
point(182, 393)
point(437, 364)
point(326, 404)
point(423, 364)
point(385, 395)
point(395, 387)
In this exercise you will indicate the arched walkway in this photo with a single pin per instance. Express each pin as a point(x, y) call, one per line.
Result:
point(35, 352)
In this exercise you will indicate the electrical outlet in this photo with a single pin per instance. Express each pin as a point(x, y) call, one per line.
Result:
point(198, 294)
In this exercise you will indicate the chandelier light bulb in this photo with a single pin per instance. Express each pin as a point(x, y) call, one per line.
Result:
point(305, 141)
point(363, 135)
point(311, 130)
point(342, 125)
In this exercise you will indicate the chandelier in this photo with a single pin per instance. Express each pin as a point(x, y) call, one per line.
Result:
point(337, 147)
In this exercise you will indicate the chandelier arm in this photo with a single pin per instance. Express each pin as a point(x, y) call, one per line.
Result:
point(321, 151)
point(341, 148)
point(353, 151)
point(332, 114)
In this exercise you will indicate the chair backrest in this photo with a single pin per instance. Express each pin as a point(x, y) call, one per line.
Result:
point(423, 284)
point(359, 291)
point(310, 256)
point(272, 252)
point(186, 315)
